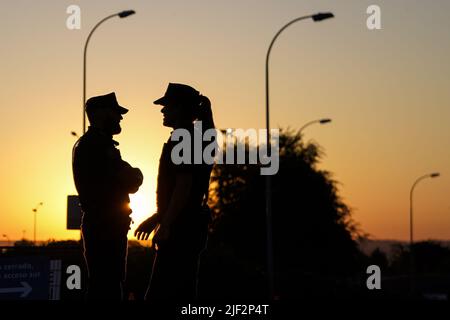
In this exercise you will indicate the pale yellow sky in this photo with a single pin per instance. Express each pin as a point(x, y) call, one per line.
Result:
point(386, 91)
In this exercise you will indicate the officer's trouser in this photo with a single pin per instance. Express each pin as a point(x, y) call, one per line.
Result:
point(175, 268)
point(105, 255)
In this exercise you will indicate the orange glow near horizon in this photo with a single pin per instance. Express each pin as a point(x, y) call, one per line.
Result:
point(386, 91)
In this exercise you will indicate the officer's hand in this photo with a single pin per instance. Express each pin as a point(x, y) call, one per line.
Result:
point(145, 228)
point(161, 236)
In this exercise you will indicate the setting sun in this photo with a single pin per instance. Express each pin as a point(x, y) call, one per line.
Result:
point(174, 152)
point(143, 206)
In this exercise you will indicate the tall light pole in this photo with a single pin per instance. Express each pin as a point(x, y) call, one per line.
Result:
point(411, 238)
point(7, 239)
point(122, 14)
point(35, 212)
point(270, 263)
point(321, 121)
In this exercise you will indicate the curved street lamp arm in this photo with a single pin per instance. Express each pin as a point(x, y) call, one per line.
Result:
point(84, 64)
point(267, 67)
point(37, 206)
point(280, 31)
point(95, 27)
point(308, 124)
point(429, 175)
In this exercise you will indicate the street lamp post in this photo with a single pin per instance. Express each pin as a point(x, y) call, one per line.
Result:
point(7, 239)
point(270, 264)
point(411, 238)
point(35, 212)
point(122, 14)
point(321, 121)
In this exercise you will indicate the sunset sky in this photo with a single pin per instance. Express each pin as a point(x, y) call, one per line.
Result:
point(387, 91)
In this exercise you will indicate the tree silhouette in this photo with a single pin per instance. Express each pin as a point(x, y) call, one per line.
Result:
point(314, 233)
point(431, 257)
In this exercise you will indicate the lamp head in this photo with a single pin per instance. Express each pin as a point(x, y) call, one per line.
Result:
point(126, 13)
point(435, 175)
point(322, 16)
point(323, 121)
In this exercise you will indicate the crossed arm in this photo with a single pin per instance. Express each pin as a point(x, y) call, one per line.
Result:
point(128, 177)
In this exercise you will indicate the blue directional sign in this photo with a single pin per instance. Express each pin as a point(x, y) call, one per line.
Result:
point(23, 290)
point(26, 278)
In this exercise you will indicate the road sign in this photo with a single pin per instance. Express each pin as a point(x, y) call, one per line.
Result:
point(30, 278)
point(74, 213)
point(24, 290)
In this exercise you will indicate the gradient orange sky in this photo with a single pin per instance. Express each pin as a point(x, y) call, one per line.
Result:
point(387, 92)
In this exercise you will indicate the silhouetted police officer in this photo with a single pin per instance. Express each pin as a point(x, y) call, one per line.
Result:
point(104, 182)
point(182, 218)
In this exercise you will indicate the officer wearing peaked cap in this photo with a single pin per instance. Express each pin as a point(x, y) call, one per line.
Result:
point(180, 224)
point(104, 182)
